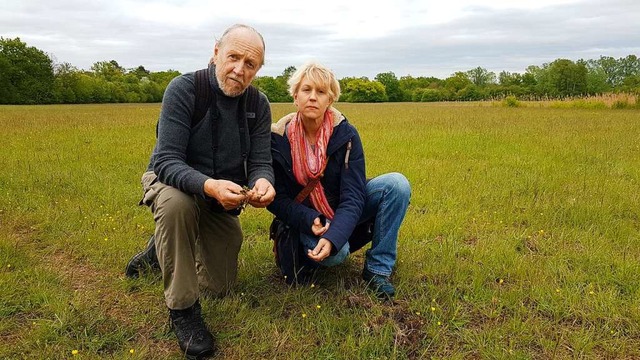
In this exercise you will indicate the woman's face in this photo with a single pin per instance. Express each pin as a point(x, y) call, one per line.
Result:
point(312, 100)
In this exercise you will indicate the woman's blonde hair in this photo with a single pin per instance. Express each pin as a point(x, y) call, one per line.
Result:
point(317, 74)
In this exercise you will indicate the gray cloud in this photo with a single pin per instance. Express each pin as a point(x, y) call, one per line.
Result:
point(83, 33)
point(507, 40)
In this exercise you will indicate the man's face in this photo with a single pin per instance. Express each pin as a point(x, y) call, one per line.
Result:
point(237, 61)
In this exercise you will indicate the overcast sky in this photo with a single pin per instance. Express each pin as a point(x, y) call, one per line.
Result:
point(353, 37)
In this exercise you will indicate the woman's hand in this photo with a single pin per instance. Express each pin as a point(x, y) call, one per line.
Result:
point(317, 228)
point(322, 250)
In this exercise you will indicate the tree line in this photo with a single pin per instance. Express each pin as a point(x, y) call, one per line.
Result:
point(29, 76)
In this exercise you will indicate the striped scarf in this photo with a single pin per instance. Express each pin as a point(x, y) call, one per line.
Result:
point(309, 162)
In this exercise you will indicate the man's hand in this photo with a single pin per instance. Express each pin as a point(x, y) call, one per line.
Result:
point(317, 228)
point(262, 193)
point(229, 194)
point(322, 250)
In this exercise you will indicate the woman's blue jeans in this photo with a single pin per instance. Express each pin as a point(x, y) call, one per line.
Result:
point(387, 200)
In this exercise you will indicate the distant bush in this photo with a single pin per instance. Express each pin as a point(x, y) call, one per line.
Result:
point(621, 104)
point(511, 101)
point(430, 95)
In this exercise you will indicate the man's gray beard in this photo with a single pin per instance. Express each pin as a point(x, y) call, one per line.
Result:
point(223, 87)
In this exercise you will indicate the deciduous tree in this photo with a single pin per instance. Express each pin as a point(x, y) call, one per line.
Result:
point(26, 73)
point(391, 86)
point(364, 90)
point(481, 76)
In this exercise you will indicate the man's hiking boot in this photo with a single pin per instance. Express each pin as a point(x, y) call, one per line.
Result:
point(379, 284)
point(145, 260)
point(195, 340)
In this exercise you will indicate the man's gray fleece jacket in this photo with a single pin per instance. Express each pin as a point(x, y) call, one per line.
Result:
point(183, 156)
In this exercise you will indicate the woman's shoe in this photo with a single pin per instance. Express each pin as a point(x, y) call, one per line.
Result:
point(379, 284)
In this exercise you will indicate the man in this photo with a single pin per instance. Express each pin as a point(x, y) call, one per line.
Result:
point(194, 183)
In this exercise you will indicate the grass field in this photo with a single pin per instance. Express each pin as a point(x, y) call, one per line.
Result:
point(522, 241)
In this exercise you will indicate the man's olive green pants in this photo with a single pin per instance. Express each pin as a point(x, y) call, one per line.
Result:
point(197, 247)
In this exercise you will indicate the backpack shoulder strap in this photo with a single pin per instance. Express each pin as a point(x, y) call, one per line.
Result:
point(204, 96)
point(307, 189)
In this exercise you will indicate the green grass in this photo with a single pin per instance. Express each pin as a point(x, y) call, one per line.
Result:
point(521, 241)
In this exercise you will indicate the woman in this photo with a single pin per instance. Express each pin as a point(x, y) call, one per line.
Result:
point(317, 150)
